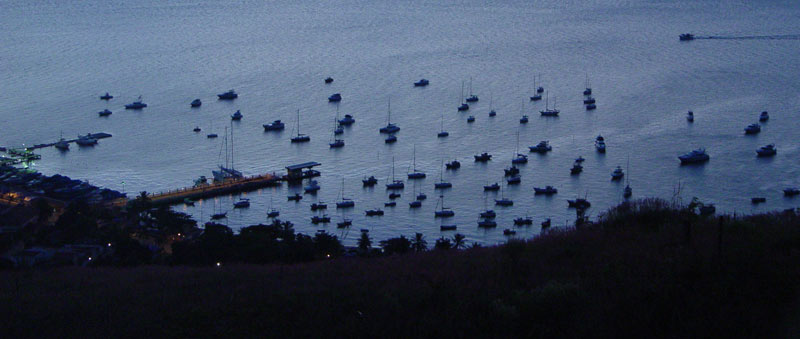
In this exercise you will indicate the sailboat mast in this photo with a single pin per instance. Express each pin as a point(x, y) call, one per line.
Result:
point(225, 145)
point(232, 167)
point(298, 122)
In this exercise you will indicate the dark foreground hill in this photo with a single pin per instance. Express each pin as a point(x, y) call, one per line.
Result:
point(645, 269)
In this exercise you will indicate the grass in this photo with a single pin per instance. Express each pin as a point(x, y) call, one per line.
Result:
point(645, 269)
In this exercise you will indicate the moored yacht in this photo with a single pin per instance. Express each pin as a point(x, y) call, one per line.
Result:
point(690, 116)
point(229, 95)
point(369, 182)
point(696, 156)
point(547, 190)
point(236, 115)
point(617, 174)
point(104, 113)
point(752, 129)
point(276, 125)
point(106, 96)
point(483, 157)
point(242, 203)
point(196, 103)
point(138, 104)
point(347, 120)
point(600, 144)
point(764, 116)
point(421, 83)
point(492, 187)
point(336, 97)
point(542, 147)
point(767, 151)
point(455, 164)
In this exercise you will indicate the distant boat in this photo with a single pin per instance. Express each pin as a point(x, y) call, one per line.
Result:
point(415, 204)
point(758, 200)
point(218, 216)
point(600, 144)
point(579, 159)
point(328, 80)
point(336, 97)
point(509, 232)
point(696, 156)
point(690, 116)
point(448, 227)
point(588, 100)
point(421, 83)
point(590, 107)
point(211, 135)
point(503, 201)
point(511, 171)
point(488, 214)
point(390, 204)
point(521, 221)
point(86, 140)
point(237, 115)
point(369, 182)
point(519, 159)
point(487, 223)
point(295, 197)
point(344, 223)
point(523, 120)
point(442, 184)
point(453, 165)
point(415, 174)
point(791, 191)
point(104, 113)
point(347, 120)
point(273, 213)
point(62, 144)
point(514, 180)
point(686, 37)
point(242, 203)
point(442, 133)
point(471, 97)
point(276, 125)
point(196, 103)
point(752, 129)
point(536, 96)
point(579, 203)
point(395, 184)
point(483, 157)
point(492, 187)
point(390, 127)
point(542, 147)
point(374, 212)
point(767, 151)
point(577, 168)
point(548, 112)
point(312, 187)
point(229, 95)
point(588, 90)
point(300, 137)
point(421, 196)
point(323, 219)
point(617, 174)
point(463, 106)
point(394, 195)
point(764, 116)
point(444, 212)
point(138, 104)
point(547, 190)
point(106, 96)
point(319, 206)
point(390, 139)
point(337, 143)
point(471, 118)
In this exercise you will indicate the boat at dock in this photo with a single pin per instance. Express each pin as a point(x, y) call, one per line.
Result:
point(86, 140)
point(312, 187)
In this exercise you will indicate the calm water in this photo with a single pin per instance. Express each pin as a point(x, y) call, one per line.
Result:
point(56, 58)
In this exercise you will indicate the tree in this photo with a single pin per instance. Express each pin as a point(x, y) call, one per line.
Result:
point(419, 244)
point(399, 245)
point(327, 244)
point(458, 241)
point(364, 243)
point(443, 244)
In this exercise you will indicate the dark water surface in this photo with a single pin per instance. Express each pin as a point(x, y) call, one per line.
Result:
point(56, 58)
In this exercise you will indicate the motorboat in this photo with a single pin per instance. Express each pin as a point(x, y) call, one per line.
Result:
point(106, 96)
point(138, 104)
point(236, 115)
point(764, 116)
point(752, 129)
point(514, 180)
point(455, 164)
point(523, 120)
point(577, 168)
point(471, 118)
point(337, 143)
point(487, 223)
point(590, 107)
point(373, 212)
point(323, 219)
point(463, 107)
point(442, 134)
point(509, 232)
point(519, 159)
point(422, 83)
point(394, 195)
point(617, 174)
point(697, 156)
point(542, 147)
point(472, 98)
point(579, 203)
point(196, 103)
point(600, 144)
point(295, 197)
point(369, 182)
point(104, 113)
point(483, 157)
point(336, 97)
point(390, 204)
point(488, 214)
point(522, 221)
point(791, 191)
point(690, 116)
point(328, 80)
point(347, 120)
point(242, 203)
point(197, 129)
point(345, 203)
point(503, 202)
point(229, 95)
point(319, 206)
point(344, 223)
point(686, 37)
point(547, 190)
point(276, 125)
point(448, 227)
point(492, 187)
point(767, 151)
point(312, 187)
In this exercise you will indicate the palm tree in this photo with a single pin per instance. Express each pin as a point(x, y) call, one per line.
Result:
point(419, 244)
point(364, 243)
point(458, 241)
point(443, 244)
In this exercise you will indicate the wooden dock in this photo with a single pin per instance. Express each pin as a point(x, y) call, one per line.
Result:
point(97, 136)
point(211, 190)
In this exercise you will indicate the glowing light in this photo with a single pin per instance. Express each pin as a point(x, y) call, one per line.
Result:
point(328, 255)
point(109, 244)
point(90, 258)
point(219, 264)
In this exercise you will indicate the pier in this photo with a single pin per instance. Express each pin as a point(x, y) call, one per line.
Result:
point(97, 136)
point(211, 190)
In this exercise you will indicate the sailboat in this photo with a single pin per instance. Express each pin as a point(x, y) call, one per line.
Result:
point(548, 112)
point(62, 144)
point(225, 172)
point(344, 202)
point(491, 110)
point(463, 106)
point(211, 135)
point(471, 97)
point(442, 132)
point(218, 215)
point(336, 142)
point(390, 127)
point(395, 184)
point(628, 190)
point(503, 201)
point(415, 174)
point(523, 117)
point(519, 158)
point(442, 184)
point(588, 90)
point(273, 213)
point(416, 203)
point(300, 137)
point(536, 96)
point(444, 212)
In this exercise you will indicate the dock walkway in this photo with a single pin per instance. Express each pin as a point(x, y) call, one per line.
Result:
point(211, 190)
